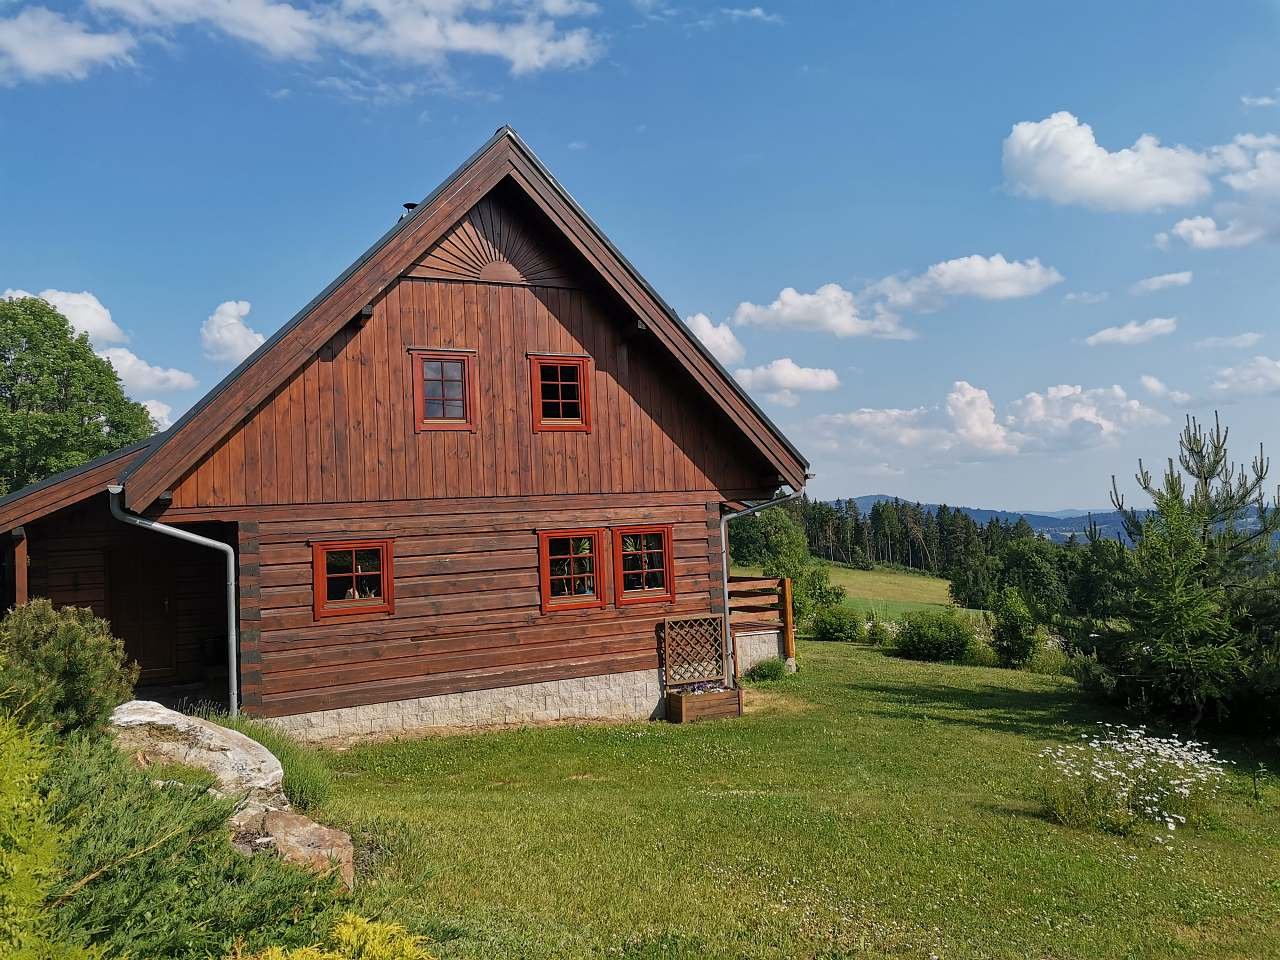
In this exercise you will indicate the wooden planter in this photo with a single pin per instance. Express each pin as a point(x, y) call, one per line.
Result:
point(688, 707)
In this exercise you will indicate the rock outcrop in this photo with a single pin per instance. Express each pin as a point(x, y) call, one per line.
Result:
point(245, 770)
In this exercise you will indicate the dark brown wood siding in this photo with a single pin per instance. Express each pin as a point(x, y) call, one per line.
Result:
point(342, 430)
point(467, 612)
point(78, 554)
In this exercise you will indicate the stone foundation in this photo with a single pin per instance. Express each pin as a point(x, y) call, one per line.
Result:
point(619, 696)
point(753, 646)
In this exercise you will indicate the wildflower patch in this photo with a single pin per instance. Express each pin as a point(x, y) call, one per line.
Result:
point(1123, 777)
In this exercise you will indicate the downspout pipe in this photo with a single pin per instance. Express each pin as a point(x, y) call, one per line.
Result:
point(114, 498)
point(724, 562)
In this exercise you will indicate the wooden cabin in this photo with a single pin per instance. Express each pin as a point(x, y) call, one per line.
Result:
point(467, 484)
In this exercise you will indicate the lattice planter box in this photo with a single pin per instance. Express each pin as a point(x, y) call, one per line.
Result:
point(683, 707)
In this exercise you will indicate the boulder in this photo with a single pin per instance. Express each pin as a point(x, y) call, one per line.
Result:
point(301, 840)
point(243, 767)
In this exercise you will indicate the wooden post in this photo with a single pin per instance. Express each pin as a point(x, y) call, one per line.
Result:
point(788, 619)
point(20, 563)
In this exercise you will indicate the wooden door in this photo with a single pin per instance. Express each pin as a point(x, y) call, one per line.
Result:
point(140, 591)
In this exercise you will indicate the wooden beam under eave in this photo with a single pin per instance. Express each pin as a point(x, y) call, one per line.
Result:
point(20, 565)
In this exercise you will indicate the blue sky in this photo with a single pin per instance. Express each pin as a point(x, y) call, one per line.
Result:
point(920, 231)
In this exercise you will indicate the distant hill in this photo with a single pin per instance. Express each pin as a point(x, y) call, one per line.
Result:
point(1057, 525)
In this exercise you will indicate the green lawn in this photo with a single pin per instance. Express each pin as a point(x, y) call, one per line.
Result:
point(867, 807)
point(884, 592)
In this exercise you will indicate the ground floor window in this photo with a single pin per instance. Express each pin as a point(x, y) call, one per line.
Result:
point(642, 564)
point(571, 573)
point(352, 576)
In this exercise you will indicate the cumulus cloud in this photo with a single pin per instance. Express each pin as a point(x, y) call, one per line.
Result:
point(85, 312)
point(987, 278)
point(42, 44)
point(1068, 415)
point(160, 412)
point(1059, 159)
point(1134, 332)
point(1256, 376)
point(1157, 388)
point(1203, 233)
point(138, 376)
point(783, 378)
point(1240, 340)
point(1162, 282)
point(719, 338)
point(414, 33)
point(830, 309)
point(1084, 296)
point(1263, 101)
point(225, 336)
point(967, 425)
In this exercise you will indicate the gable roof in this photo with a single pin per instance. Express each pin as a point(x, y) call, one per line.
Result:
point(164, 460)
point(68, 487)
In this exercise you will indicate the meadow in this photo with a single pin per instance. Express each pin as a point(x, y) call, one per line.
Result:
point(866, 807)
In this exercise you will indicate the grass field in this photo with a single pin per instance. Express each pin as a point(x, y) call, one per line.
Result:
point(886, 593)
point(867, 807)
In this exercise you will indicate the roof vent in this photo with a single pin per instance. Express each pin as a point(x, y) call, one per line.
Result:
point(408, 209)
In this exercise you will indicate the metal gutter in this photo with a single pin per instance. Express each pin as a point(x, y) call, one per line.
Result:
point(114, 493)
point(724, 562)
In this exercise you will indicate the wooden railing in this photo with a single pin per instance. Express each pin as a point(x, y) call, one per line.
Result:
point(763, 603)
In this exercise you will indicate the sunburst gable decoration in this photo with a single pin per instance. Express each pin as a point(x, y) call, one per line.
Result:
point(494, 243)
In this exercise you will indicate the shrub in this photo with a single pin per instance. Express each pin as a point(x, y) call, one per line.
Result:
point(980, 653)
point(1049, 659)
point(150, 872)
point(1015, 635)
point(308, 779)
point(1124, 777)
point(879, 633)
point(353, 938)
point(934, 635)
point(767, 671)
point(62, 667)
point(30, 849)
point(839, 624)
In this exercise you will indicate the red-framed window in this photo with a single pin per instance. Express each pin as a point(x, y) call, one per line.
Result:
point(445, 391)
point(352, 577)
point(642, 568)
point(561, 389)
point(572, 569)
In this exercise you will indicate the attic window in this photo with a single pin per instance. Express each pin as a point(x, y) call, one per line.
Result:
point(444, 389)
point(561, 387)
point(352, 576)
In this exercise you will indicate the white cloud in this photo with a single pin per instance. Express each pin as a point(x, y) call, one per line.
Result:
point(719, 338)
point(1068, 415)
point(783, 378)
point(830, 308)
point(1059, 159)
point(138, 376)
point(987, 278)
point(1203, 233)
point(225, 336)
point(973, 417)
point(1240, 340)
point(85, 312)
point(1259, 101)
point(160, 412)
point(1161, 282)
point(759, 14)
point(41, 44)
point(1259, 375)
point(1084, 296)
point(528, 36)
point(1157, 388)
point(1134, 332)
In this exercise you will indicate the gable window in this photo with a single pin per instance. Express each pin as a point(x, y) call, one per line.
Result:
point(352, 576)
point(642, 564)
point(571, 572)
point(444, 389)
point(561, 387)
